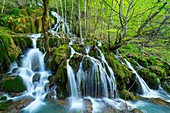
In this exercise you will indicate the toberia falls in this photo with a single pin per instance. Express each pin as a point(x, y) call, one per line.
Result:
point(95, 82)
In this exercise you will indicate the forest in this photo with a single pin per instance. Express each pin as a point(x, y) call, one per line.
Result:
point(84, 56)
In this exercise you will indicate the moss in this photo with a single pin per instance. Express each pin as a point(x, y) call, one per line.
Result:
point(13, 84)
point(38, 23)
point(23, 42)
point(166, 86)
point(53, 42)
point(75, 62)
point(127, 95)
point(5, 105)
point(15, 11)
point(12, 49)
point(23, 12)
point(62, 81)
point(3, 98)
point(158, 71)
point(122, 73)
point(79, 48)
point(58, 55)
point(149, 77)
point(22, 28)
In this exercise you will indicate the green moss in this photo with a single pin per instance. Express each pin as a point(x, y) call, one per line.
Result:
point(158, 71)
point(22, 42)
point(75, 62)
point(16, 11)
point(58, 55)
point(22, 28)
point(62, 81)
point(127, 95)
point(149, 77)
point(5, 105)
point(53, 42)
point(10, 51)
point(3, 98)
point(13, 84)
point(121, 71)
point(79, 48)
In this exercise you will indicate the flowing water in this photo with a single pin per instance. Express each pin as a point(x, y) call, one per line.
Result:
point(96, 82)
point(146, 91)
point(33, 66)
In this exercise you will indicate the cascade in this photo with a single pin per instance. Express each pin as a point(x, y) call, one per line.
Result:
point(146, 91)
point(97, 82)
point(33, 65)
point(144, 87)
point(60, 23)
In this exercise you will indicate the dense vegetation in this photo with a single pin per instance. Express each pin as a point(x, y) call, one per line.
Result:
point(137, 29)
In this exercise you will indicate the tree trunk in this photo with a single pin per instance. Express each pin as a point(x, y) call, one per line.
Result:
point(80, 29)
point(45, 24)
point(110, 19)
point(71, 15)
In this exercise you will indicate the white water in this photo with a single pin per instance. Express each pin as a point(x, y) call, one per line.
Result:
point(33, 65)
point(97, 82)
point(144, 87)
point(146, 91)
point(60, 26)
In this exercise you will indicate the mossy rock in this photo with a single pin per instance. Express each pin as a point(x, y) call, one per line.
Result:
point(23, 12)
point(10, 51)
point(38, 23)
point(87, 63)
point(166, 86)
point(75, 62)
point(121, 71)
point(79, 48)
point(5, 105)
point(23, 42)
point(143, 62)
point(12, 84)
point(22, 28)
point(158, 71)
point(61, 79)
point(127, 95)
point(58, 55)
point(149, 77)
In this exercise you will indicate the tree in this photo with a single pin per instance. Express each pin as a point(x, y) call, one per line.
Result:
point(45, 24)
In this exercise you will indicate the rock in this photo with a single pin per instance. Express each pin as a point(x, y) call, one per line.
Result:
point(88, 108)
point(158, 71)
point(10, 51)
point(149, 77)
point(12, 84)
point(127, 95)
point(75, 62)
point(36, 77)
point(58, 55)
point(23, 42)
point(17, 106)
point(5, 105)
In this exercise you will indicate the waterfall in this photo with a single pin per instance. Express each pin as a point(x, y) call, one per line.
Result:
point(144, 87)
point(61, 25)
point(34, 75)
point(97, 82)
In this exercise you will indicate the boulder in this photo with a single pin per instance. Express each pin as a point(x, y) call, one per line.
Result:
point(12, 84)
point(149, 77)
